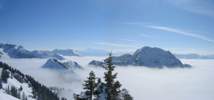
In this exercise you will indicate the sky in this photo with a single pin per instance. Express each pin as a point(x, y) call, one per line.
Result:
point(181, 26)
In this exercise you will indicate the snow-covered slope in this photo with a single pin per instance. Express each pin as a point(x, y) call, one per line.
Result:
point(5, 96)
point(21, 86)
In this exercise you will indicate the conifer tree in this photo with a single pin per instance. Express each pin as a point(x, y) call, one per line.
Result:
point(112, 86)
point(0, 84)
point(90, 85)
point(5, 75)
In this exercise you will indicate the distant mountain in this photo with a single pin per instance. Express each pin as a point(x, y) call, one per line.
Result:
point(65, 52)
point(194, 56)
point(72, 65)
point(97, 63)
point(54, 64)
point(155, 57)
point(148, 57)
point(15, 51)
point(57, 65)
point(14, 85)
point(46, 54)
point(93, 52)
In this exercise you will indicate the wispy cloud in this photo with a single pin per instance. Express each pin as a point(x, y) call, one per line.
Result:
point(181, 32)
point(202, 7)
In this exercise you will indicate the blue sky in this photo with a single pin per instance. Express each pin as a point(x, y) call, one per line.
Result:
point(181, 26)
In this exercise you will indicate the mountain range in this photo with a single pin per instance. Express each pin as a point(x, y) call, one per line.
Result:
point(194, 56)
point(15, 51)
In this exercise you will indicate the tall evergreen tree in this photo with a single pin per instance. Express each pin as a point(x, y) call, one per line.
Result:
point(90, 85)
point(112, 86)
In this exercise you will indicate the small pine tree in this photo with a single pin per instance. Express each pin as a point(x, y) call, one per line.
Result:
point(24, 97)
point(15, 92)
point(90, 85)
point(0, 84)
point(63, 98)
point(7, 90)
point(5, 75)
point(112, 86)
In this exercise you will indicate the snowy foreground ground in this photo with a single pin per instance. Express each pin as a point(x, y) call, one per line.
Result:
point(196, 83)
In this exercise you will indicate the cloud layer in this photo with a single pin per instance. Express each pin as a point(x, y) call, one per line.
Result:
point(142, 83)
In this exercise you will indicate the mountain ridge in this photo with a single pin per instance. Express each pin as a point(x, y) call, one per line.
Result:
point(17, 51)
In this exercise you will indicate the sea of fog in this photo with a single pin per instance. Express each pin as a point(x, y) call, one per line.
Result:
point(143, 83)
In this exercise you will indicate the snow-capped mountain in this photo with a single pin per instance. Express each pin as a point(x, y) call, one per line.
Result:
point(59, 65)
point(54, 64)
point(155, 57)
point(15, 51)
point(146, 56)
point(14, 85)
